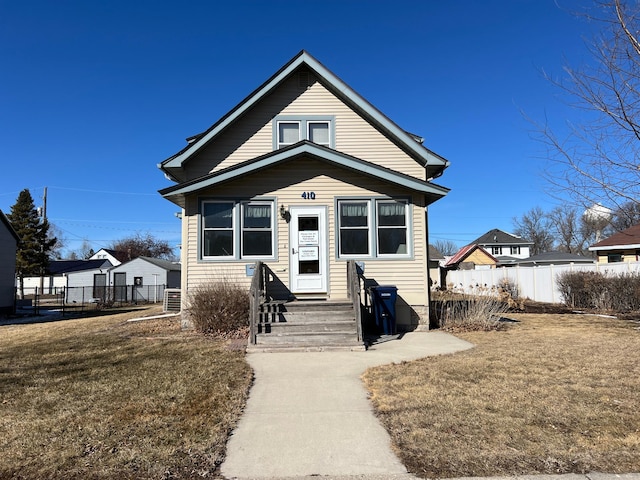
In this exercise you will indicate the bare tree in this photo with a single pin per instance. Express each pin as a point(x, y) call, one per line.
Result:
point(625, 216)
point(147, 245)
point(446, 247)
point(599, 159)
point(535, 227)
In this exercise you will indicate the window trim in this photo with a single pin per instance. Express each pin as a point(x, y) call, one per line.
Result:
point(237, 229)
point(372, 203)
point(303, 130)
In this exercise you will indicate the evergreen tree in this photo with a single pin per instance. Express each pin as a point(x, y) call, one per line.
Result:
point(35, 244)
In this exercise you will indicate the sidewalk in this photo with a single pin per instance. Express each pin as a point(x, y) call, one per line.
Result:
point(308, 413)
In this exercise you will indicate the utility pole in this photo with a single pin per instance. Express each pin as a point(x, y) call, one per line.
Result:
point(44, 219)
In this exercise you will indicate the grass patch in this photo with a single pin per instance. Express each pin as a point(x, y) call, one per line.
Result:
point(101, 398)
point(552, 394)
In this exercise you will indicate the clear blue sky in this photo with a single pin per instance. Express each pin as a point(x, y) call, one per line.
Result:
point(94, 94)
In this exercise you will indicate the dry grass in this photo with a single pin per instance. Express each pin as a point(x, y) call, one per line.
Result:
point(100, 398)
point(552, 394)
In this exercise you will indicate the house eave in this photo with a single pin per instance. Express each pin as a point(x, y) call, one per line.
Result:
point(632, 246)
point(177, 193)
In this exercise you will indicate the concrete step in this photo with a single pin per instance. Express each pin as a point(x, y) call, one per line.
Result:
point(344, 326)
point(350, 347)
point(306, 338)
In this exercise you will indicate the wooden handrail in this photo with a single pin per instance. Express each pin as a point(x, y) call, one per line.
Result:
point(353, 289)
point(256, 297)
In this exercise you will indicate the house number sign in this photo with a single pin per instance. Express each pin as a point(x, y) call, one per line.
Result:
point(308, 195)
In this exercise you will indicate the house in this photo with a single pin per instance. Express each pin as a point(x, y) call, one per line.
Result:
point(505, 247)
point(471, 257)
point(84, 280)
point(304, 175)
point(114, 256)
point(553, 258)
point(8, 246)
point(435, 260)
point(144, 278)
point(623, 246)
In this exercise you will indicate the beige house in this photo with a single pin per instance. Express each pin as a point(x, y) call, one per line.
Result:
point(304, 175)
point(622, 246)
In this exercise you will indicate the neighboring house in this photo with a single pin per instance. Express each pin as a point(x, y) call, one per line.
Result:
point(55, 278)
point(553, 258)
point(114, 256)
point(505, 247)
point(623, 246)
point(8, 246)
point(435, 260)
point(471, 257)
point(83, 279)
point(146, 278)
point(303, 175)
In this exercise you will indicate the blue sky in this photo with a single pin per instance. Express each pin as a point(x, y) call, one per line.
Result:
point(94, 94)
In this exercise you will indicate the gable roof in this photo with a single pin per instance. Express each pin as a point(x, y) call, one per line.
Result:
point(58, 267)
point(629, 238)
point(303, 148)
point(499, 237)
point(7, 223)
point(464, 252)
point(158, 262)
point(557, 258)
point(407, 142)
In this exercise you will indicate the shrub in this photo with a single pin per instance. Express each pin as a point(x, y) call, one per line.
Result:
point(457, 312)
point(595, 290)
point(219, 308)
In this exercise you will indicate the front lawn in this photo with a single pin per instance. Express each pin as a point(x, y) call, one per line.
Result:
point(551, 394)
point(100, 398)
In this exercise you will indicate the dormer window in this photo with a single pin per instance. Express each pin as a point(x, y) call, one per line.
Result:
point(317, 129)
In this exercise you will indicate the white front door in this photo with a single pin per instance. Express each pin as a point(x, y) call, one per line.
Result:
point(308, 249)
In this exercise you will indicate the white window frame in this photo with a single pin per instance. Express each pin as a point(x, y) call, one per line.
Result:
point(496, 250)
point(205, 229)
point(320, 122)
point(368, 228)
point(244, 229)
point(515, 250)
point(281, 144)
point(383, 227)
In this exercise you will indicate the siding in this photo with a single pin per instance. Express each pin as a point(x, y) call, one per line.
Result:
point(286, 182)
point(7, 267)
point(252, 135)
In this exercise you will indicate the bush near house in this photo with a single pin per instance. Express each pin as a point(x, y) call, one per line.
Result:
point(595, 290)
point(219, 308)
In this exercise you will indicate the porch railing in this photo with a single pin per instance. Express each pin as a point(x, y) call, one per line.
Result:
point(257, 297)
point(354, 290)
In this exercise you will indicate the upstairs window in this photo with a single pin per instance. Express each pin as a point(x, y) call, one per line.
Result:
point(317, 129)
point(515, 250)
point(288, 133)
point(496, 250)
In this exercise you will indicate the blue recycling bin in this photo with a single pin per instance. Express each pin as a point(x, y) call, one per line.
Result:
point(384, 298)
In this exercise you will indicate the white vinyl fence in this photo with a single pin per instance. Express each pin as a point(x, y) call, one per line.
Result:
point(535, 283)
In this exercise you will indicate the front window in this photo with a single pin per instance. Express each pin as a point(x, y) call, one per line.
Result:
point(218, 239)
point(614, 257)
point(354, 228)
point(257, 229)
point(392, 228)
point(373, 228)
point(234, 230)
point(496, 250)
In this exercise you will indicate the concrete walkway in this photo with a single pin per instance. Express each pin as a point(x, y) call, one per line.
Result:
point(308, 413)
